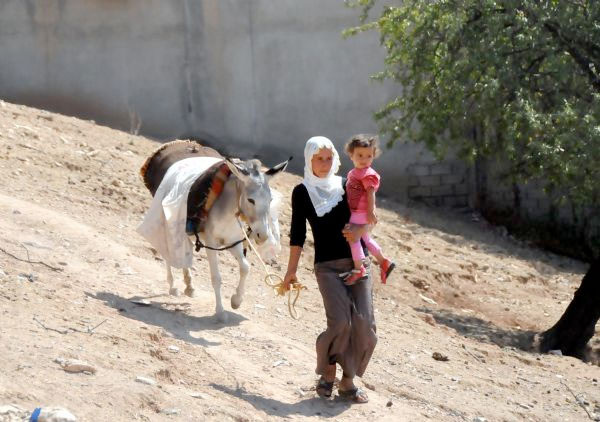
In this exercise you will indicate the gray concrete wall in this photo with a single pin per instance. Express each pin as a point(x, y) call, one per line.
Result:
point(253, 76)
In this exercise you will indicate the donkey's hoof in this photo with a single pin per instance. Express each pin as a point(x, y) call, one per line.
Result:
point(190, 292)
point(174, 291)
point(236, 301)
point(222, 317)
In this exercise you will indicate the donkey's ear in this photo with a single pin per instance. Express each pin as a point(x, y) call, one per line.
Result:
point(237, 168)
point(278, 168)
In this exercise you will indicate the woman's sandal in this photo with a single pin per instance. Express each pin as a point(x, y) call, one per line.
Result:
point(324, 388)
point(355, 395)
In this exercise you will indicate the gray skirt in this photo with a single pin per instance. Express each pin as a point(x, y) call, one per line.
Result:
point(350, 337)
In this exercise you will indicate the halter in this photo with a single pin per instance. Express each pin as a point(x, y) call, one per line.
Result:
point(239, 215)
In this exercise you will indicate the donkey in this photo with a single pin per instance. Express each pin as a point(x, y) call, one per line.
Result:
point(245, 195)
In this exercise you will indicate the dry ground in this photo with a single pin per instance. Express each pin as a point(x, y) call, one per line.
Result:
point(71, 197)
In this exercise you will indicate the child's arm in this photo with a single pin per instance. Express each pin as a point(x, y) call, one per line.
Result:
point(371, 216)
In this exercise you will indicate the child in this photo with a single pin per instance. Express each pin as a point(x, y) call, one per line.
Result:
point(361, 186)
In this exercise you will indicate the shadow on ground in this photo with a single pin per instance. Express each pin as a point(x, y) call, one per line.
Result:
point(177, 323)
point(314, 406)
point(481, 330)
point(458, 227)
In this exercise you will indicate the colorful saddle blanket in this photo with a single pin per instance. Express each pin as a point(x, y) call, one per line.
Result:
point(203, 194)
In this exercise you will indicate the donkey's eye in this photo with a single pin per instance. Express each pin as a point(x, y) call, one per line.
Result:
point(251, 201)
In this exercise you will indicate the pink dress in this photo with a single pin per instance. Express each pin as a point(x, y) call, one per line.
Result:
point(359, 180)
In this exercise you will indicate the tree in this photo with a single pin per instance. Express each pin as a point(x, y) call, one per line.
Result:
point(515, 80)
point(510, 80)
point(577, 324)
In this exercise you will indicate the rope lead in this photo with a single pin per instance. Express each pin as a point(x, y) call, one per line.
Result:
point(278, 287)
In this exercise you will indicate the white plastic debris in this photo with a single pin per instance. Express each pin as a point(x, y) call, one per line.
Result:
point(146, 380)
point(428, 300)
point(52, 414)
point(171, 411)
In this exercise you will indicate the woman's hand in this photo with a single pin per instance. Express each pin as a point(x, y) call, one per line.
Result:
point(288, 280)
point(290, 274)
point(353, 232)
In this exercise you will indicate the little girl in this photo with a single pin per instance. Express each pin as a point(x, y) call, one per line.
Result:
point(361, 186)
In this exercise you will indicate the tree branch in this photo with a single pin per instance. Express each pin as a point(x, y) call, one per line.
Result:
point(534, 62)
point(31, 262)
point(583, 62)
point(568, 45)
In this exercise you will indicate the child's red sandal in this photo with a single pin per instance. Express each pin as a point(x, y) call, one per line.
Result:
point(355, 276)
point(386, 268)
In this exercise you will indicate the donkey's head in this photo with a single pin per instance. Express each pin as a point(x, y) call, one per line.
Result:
point(254, 195)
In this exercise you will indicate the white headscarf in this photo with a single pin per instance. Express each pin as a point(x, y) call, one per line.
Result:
point(325, 192)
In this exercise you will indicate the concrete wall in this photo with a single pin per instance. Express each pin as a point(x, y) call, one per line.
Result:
point(251, 77)
point(257, 77)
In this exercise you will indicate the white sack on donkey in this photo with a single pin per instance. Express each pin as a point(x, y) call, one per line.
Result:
point(199, 193)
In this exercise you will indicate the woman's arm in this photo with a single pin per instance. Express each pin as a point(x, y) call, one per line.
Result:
point(292, 267)
point(298, 223)
point(297, 236)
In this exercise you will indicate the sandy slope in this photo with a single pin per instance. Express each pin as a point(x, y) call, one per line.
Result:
point(71, 197)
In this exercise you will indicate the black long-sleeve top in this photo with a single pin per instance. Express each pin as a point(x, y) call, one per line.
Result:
point(330, 244)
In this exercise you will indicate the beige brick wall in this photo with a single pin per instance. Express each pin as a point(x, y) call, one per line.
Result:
point(439, 184)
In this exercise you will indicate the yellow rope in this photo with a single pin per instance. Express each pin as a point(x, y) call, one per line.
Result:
point(278, 287)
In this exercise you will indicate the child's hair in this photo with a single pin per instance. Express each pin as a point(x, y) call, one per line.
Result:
point(363, 141)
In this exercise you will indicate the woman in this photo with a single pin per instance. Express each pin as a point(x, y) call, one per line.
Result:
point(350, 338)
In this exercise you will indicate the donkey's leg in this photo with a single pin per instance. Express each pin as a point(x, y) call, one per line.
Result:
point(173, 291)
point(187, 279)
point(238, 253)
point(215, 277)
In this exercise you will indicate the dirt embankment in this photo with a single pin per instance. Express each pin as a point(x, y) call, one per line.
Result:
point(70, 199)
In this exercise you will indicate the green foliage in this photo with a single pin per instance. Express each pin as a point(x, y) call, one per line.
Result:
point(513, 79)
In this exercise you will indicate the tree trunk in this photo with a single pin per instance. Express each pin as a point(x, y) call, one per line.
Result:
point(480, 184)
point(516, 202)
point(576, 326)
point(481, 170)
